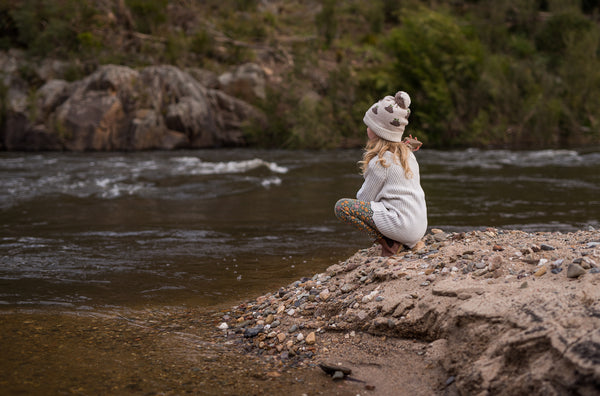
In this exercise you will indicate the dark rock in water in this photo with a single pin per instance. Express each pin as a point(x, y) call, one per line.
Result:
point(331, 369)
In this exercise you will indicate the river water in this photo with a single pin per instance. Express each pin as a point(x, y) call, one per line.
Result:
point(201, 228)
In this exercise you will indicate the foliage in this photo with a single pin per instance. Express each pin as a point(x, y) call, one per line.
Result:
point(148, 15)
point(438, 62)
point(51, 27)
point(516, 73)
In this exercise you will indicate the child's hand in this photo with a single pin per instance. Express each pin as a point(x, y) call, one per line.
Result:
point(413, 143)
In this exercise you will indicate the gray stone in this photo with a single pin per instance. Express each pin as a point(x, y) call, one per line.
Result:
point(575, 271)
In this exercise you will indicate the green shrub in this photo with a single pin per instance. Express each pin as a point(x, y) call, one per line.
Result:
point(47, 27)
point(558, 30)
point(437, 61)
point(326, 22)
point(148, 15)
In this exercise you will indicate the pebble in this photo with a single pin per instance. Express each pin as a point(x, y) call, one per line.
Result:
point(300, 337)
point(541, 271)
point(223, 326)
point(543, 246)
point(590, 245)
point(575, 271)
point(253, 331)
point(311, 338)
point(293, 329)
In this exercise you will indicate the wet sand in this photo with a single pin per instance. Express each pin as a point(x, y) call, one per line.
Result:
point(167, 352)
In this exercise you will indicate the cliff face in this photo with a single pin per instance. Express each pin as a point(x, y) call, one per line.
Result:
point(119, 108)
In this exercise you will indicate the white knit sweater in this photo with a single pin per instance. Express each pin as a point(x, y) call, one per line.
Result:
point(398, 202)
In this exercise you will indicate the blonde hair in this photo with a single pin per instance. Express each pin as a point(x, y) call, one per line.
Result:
point(378, 147)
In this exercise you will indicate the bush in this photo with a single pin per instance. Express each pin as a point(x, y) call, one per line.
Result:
point(148, 15)
point(438, 62)
point(47, 27)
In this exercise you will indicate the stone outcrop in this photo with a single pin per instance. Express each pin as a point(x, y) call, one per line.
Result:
point(119, 108)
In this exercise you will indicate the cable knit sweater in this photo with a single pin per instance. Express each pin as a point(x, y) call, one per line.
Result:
point(398, 202)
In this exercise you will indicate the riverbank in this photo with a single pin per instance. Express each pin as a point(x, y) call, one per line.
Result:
point(504, 312)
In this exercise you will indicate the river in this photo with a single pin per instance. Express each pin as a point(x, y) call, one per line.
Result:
point(83, 231)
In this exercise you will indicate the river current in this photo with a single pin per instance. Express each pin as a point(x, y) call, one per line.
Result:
point(83, 231)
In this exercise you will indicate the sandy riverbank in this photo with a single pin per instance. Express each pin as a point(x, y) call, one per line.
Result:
point(483, 312)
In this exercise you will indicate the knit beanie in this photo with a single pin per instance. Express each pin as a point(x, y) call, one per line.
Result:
point(388, 117)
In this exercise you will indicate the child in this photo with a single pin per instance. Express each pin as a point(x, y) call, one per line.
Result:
point(390, 205)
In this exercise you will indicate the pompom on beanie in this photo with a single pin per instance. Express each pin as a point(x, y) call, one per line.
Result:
point(388, 117)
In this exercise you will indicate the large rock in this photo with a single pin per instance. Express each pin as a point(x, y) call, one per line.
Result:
point(118, 108)
point(246, 81)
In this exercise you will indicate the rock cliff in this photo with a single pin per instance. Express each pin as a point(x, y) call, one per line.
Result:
point(119, 108)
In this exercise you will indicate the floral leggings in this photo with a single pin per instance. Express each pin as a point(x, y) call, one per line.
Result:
point(358, 214)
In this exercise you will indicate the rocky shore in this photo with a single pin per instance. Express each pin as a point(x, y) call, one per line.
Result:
point(482, 312)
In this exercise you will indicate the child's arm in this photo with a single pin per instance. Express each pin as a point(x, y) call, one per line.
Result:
point(374, 181)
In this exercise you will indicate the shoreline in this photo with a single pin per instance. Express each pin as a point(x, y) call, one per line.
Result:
point(492, 311)
point(483, 311)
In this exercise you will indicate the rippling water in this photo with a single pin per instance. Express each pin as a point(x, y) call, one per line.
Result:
point(205, 227)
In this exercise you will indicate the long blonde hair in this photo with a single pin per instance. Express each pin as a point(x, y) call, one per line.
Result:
point(378, 147)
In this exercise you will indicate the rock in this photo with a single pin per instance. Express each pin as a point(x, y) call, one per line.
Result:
point(420, 245)
point(543, 246)
point(311, 338)
point(497, 248)
point(324, 295)
point(246, 81)
point(118, 108)
point(330, 369)
point(541, 271)
point(574, 271)
point(223, 326)
point(253, 331)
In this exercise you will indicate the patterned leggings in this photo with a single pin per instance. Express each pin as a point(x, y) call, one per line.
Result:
point(358, 214)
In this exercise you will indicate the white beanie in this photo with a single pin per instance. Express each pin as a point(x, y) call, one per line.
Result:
point(388, 117)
